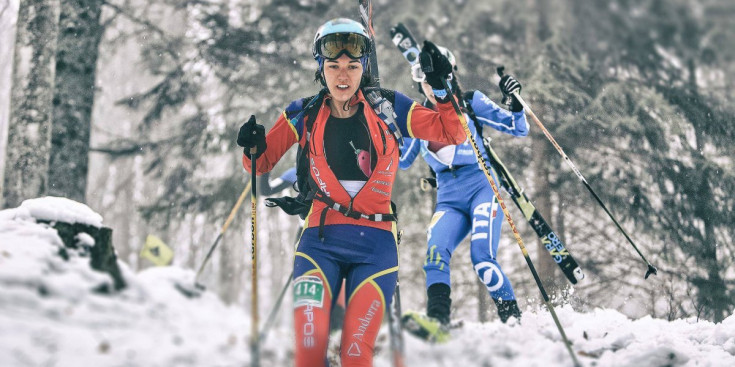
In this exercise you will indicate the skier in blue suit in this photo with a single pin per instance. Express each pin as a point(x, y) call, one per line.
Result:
point(465, 204)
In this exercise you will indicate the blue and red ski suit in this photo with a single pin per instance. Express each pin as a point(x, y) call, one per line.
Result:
point(361, 251)
point(465, 200)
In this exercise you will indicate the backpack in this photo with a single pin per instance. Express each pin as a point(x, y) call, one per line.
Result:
point(305, 186)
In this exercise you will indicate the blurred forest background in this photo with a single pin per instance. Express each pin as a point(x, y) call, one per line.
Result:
point(132, 107)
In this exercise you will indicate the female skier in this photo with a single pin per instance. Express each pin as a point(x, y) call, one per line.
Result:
point(352, 155)
point(465, 204)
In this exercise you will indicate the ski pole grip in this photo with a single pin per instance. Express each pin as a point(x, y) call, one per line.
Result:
point(501, 70)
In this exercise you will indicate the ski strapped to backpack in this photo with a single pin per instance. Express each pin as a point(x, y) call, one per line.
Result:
point(407, 45)
point(382, 107)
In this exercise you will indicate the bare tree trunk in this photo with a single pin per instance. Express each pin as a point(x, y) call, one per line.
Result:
point(8, 20)
point(232, 261)
point(196, 241)
point(76, 62)
point(29, 132)
point(559, 224)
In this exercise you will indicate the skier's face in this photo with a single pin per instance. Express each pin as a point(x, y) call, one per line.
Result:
point(343, 76)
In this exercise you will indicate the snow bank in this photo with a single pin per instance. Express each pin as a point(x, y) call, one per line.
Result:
point(51, 315)
point(62, 210)
point(56, 209)
point(601, 338)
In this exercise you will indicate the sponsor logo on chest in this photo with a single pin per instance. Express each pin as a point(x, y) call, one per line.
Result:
point(318, 178)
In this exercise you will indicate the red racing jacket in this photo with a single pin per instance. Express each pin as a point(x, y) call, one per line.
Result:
point(412, 119)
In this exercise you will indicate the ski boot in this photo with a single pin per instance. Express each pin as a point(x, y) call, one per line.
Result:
point(434, 326)
point(508, 309)
point(425, 327)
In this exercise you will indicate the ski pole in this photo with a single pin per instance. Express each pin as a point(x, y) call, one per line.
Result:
point(481, 160)
point(277, 306)
point(254, 335)
point(272, 316)
point(219, 236)
point(395, 328)
point(651, 269)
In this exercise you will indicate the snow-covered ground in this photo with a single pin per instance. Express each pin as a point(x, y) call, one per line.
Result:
point(49, 316)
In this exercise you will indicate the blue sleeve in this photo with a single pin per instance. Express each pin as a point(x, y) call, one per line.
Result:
point(490, 114)
point(289, 176)
point(403, 106)
point(409, 151)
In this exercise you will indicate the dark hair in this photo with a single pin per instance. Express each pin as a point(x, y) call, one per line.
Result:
point(457, 86)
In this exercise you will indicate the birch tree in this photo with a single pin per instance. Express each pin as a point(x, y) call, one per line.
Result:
point(29, 131)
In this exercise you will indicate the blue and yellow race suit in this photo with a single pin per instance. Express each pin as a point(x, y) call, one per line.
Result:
point(465, 200)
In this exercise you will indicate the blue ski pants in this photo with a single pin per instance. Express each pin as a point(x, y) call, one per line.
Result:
point(466, 204)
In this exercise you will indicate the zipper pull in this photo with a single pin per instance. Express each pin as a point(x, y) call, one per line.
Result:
point(363, 160)
point(357, 151)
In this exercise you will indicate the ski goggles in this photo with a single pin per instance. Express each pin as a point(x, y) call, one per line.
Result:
point(333, 45)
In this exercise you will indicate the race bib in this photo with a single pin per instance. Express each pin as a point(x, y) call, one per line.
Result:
point(308, 290)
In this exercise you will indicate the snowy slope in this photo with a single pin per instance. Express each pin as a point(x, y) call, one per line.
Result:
point(49, 316)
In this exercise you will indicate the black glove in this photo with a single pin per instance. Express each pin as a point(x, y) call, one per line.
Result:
point(509, 85)
point(252, 135)
point(291, 206)
point(428, 183)
point(435, 65)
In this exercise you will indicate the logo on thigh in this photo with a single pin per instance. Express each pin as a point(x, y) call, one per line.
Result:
point(366, 319)
point(481, 219)
point(309, 340)
point(308, 290)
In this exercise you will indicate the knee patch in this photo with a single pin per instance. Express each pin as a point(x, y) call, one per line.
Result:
point(490, 274)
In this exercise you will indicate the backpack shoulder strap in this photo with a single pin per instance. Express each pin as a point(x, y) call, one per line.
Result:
point(298, 110)
point(382, 101)
point(468, 95)
point(467, 104)
point(310, 112)
point(389, 94)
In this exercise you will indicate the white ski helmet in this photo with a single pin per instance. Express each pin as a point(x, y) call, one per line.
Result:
point(449, 55)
